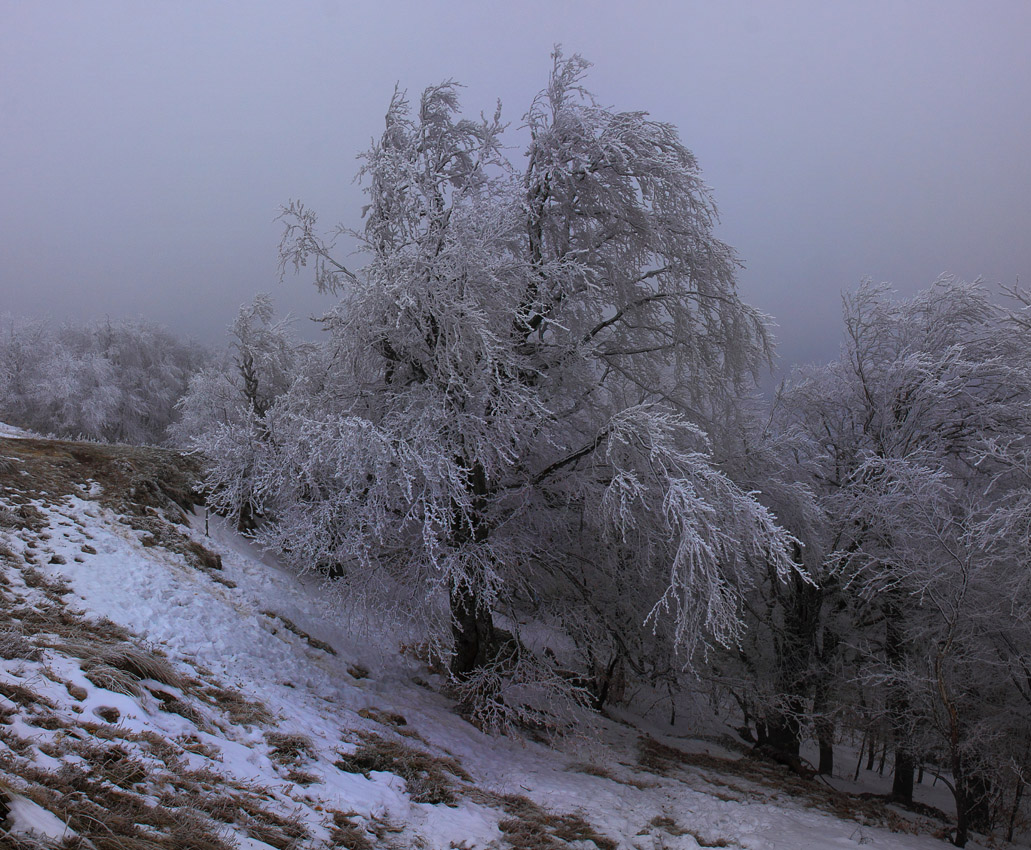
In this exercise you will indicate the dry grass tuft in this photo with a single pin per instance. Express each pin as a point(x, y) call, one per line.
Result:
point(290, 749)
point(172, 704)
point(120, 667)
point(303, 778)
point(112, 679)
point(591, 770)
point(293, 628)
point(240, 710)
point(428, 777)
point(193, 744)
point(530, 826)
point(349, 835)
point(23, 696)
point(357, 671)
point(671, 827)
point(55, 588)
point(50, 621)
point(384, 718)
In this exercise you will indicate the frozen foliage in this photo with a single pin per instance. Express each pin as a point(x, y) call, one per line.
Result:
point(110, 381)
point(509, 412)
point(223, 410)
point(913, 442)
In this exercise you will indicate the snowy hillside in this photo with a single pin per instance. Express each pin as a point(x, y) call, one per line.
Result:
point(164, 685)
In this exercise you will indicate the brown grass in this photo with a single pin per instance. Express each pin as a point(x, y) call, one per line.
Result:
point(23, 696)
point(591, 770)
point(292, 627)
point(240, 710)
point(133, 477)
point(124, 791)
point(530, 826)
point(671, 827)
point(302, 778)
point(290, 749)
point(348, 834)
point(120, 667)
point(429, 778)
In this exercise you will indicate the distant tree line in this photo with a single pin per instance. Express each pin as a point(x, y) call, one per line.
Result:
point(114, 381)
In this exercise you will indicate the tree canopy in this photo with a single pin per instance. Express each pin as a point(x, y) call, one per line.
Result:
point(511, 401)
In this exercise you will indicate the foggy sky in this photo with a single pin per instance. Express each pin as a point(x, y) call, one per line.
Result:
point(145, 148)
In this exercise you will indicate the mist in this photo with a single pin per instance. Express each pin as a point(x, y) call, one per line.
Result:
point(146, 151)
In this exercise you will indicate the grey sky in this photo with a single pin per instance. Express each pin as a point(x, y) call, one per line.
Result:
point(145, 147)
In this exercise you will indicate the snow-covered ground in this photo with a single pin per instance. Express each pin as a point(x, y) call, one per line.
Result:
point(12, 432)
point(334, 685)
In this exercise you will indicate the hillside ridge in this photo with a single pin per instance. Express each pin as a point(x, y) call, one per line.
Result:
point(162, 687)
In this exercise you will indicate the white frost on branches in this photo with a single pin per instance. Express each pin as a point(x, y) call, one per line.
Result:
point(510, 405)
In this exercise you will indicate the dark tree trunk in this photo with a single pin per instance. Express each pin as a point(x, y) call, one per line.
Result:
point(979, 793)
point(472, 628)
point(898, 706)
point(607, 682)
point(962, 806)
point(796, 651)
point(824, 724)
point(1017, 795)
point(825, 738)
point(902, 783)
point(472, 622)
point(783, 733)
point(246, 522)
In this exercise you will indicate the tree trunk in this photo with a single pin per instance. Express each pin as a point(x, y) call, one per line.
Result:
point(962, 806)
point(824, 723)
point(979, 793)
point(825, 738)
point(783, 732)
point(472, 622)
point(1017, 795)
point(898, 705)
point(472, 628)
point(902, 783)
point(796, 651)
point(246, 522)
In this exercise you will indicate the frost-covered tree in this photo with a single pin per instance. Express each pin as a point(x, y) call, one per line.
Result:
point(511, 408)
point(223, 412)
point(112, 381)
point(777, 672)
point(26, 349)
point(902, 428)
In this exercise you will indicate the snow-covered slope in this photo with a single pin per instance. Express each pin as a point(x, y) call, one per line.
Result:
point(163, 684)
